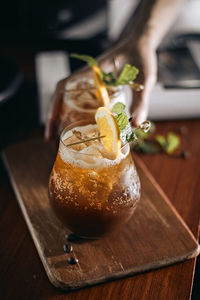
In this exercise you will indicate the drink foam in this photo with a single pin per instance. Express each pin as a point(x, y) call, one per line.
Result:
point(87, 155)
point(83, 101)
point(86, 101)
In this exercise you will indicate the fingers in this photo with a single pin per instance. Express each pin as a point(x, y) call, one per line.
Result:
point(52, 125)
point(147, 77)
point(139, 108)
point(112, 59)
point(140, 102)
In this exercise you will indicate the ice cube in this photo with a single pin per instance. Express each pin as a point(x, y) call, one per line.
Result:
point(91, 154)
point(75, 138)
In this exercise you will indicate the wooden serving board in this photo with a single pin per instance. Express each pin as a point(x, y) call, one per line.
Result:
point(156, 236)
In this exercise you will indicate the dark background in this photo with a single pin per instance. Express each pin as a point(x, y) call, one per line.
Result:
point(26, 28)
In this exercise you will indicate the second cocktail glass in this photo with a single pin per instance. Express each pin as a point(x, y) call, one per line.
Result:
point(80, 102)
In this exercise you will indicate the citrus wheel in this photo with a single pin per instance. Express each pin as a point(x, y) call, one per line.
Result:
point(101, 91)
point(108, 128)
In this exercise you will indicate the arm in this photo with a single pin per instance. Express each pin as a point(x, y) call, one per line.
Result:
point(137, 46)
point(138, 43)
point(152, 20)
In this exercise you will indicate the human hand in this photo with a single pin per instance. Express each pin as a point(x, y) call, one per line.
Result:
point(140, 53)
point(133, 51)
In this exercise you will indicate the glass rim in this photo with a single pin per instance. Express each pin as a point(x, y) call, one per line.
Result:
point(89, 110)
point(88, 122)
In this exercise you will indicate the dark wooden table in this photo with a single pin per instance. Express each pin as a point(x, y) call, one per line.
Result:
point(21, 272)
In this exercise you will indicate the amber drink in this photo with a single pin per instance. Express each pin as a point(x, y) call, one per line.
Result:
point(80, 101)
point(92, 193)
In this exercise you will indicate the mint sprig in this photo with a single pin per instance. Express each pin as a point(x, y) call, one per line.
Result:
point(86, 58)
point(127, 75)
point(118, 108)
point(120, 115)
point(122, 120)
point(158, 144)
point(127, 134)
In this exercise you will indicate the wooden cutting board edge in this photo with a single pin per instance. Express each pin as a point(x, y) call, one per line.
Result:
point(141, 269)
point(160, 190)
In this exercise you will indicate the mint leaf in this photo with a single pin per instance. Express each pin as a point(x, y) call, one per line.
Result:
point(121, 117)
point(132, 137)
point(128, 74)
point(161, 141)
point(127, 134)
point(169, 144)
point(173, 142)
point(118, 107)
point(88, 59)
point(108, 78)
point(122, 120)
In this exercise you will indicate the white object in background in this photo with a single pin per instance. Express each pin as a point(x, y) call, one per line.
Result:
point(50, 68)
point(187, 22)
point(119, 13)
point(166, 104)
point(188, 19)
point(86, 29)
point(194, 47)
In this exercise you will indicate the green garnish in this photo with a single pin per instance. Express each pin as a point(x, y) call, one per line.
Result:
point(158, 144)
point(140, 135)
point(169, 144)
point(88, 59)
point(108, 78)
point(127, 134)
point(120, 115)
point(122, 120)
point(118, 108)
point(127, 75)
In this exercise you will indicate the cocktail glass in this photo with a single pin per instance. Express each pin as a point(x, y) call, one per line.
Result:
point(90, 193)
point(80, 102)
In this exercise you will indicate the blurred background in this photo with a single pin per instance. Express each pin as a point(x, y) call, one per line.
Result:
point(37, 36)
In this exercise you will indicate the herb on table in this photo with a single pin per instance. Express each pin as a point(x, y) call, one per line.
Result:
point(168, 144)
point(158, 144)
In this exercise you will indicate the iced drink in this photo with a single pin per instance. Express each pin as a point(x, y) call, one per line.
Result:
point(80, 101)
point(90, 191)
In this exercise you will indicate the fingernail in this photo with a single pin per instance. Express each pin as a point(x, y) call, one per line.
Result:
point(141, 118)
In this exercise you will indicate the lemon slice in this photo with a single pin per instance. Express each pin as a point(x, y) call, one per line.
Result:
point(108, 127)
point(101, 91)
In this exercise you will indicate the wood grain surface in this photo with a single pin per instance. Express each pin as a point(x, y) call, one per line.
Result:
point(22, 274)
point(156, 235)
